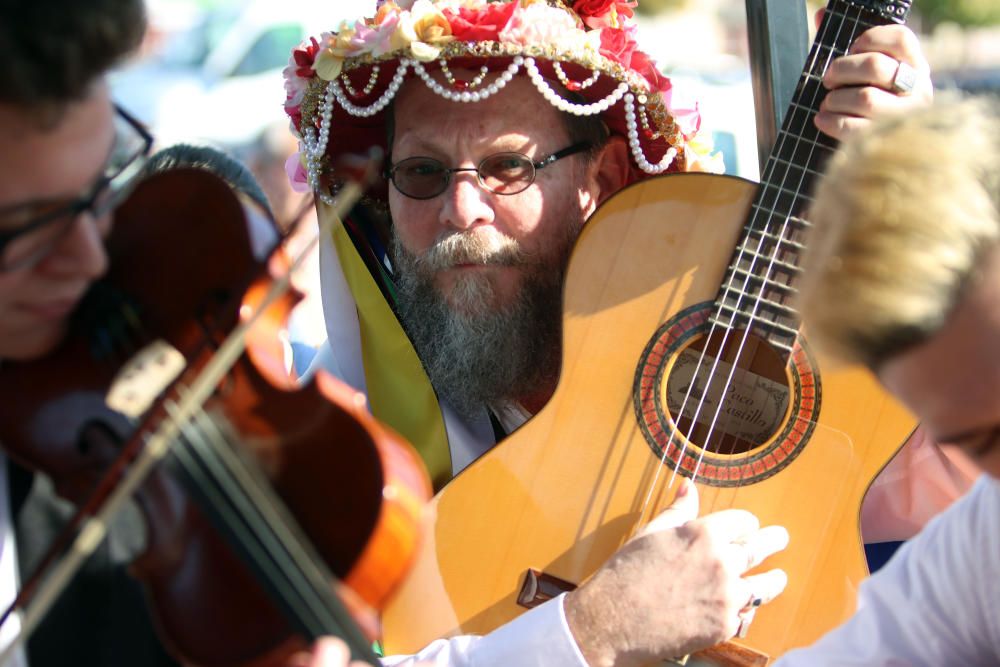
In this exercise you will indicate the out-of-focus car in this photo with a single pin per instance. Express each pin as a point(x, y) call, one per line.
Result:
point(219, 80)
point(985, 81)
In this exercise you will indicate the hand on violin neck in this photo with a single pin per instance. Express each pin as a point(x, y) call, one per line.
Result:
point(676, 587)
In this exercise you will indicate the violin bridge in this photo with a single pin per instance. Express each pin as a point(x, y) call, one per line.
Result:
point(144, 377)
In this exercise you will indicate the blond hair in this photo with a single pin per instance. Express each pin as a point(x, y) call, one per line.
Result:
point(901, 220)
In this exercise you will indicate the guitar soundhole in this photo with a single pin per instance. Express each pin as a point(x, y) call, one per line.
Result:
point(726, 410)
point(727, 393)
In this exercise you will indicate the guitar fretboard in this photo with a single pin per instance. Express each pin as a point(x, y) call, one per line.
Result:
point(760, 280)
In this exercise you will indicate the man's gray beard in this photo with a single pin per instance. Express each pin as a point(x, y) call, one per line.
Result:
point(481, 354)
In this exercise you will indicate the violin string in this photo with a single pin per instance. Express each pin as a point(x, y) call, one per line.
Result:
point(251, 513)
point(241, 483)
point(94, 529)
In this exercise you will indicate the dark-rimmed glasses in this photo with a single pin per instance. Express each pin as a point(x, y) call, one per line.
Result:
point(45, 225)
point(501, 173)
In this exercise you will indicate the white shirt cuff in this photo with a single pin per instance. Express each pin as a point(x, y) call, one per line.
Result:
point(537, 638)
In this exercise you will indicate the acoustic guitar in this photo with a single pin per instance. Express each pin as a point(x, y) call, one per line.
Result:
point(665, 373)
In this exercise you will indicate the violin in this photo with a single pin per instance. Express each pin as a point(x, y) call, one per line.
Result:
point(259, 495)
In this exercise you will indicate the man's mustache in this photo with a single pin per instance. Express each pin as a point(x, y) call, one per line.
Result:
point(475, 247)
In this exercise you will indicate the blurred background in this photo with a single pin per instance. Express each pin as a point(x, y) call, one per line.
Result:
point(210, 73)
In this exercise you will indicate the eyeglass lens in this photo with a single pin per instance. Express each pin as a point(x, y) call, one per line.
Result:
point(502, 173)
point(111, 188)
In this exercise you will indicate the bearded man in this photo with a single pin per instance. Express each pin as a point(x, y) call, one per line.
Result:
point(506, 125)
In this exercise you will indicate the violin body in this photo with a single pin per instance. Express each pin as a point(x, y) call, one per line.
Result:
point(184, 272)
point(568, 488)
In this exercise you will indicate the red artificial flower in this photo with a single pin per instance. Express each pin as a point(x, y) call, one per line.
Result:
point(295, 114)
point(304, 59)
point(480, 25)
point(596, 13)
point(642, 64)
point(617, 45)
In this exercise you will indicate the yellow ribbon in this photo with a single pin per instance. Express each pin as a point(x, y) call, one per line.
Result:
point(399, 392)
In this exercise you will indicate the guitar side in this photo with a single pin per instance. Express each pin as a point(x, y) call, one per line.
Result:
point(567, 489)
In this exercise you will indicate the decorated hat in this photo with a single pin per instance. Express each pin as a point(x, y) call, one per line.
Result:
point(582, 57)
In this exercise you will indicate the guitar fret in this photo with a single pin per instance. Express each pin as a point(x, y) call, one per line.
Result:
point(774, 337)
point(765, 264)
point(835, 13)
point(765, 282)
point(811, 172)
point(777, 238)
point(753, 319)
point(773, 262)
point(786, 199)
point(732, 298)
point(814, 143)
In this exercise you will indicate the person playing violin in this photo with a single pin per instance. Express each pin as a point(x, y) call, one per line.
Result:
point(468, 244)
point(70, 156)
point(904, 277)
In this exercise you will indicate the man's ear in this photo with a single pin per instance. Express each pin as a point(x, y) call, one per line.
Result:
point(610, 169)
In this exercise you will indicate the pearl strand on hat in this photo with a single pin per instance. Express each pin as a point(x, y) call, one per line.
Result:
point(467, 96)
point(575, 85)
point(381, 102)
point(372, 80)
point(557, 100)
point(459, 84)
point(633, 142)
point(315, 146)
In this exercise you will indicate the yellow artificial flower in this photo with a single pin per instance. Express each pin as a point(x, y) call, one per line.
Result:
point(330, 60)
point(427, 31)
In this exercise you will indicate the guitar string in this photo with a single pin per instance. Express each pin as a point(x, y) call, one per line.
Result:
point(823, 33)
point(853, 22)
point(699, 366)
point(796, 140)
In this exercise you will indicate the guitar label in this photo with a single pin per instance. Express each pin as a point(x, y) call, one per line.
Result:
point(752, 407)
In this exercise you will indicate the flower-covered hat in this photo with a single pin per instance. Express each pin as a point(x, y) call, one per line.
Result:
point(339, 84)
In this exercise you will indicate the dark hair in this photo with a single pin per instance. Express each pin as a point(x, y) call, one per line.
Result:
point(52, 51)
point(226, 167)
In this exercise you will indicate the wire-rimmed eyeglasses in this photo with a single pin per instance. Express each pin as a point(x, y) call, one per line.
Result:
point(501, 173)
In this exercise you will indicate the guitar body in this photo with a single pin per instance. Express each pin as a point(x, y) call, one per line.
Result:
point(574, 483)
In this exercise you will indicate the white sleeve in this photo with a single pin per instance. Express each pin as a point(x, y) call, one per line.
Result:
point(538, 638)
point(933, 603)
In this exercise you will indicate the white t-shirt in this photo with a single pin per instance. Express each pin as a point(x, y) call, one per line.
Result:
point(937, 602)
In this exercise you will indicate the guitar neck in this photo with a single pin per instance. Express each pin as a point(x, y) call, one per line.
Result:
point(760, 280)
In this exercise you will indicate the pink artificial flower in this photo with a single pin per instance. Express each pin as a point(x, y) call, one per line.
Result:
point(618, 45)
point(540, 24)
point(297, 176)
point(378, 40)
point(645, 66)
point(684, 108)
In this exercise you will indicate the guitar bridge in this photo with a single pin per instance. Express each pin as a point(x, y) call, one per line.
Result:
point(539, 588)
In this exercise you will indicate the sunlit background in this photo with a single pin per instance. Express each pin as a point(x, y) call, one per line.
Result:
point(210, 72)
